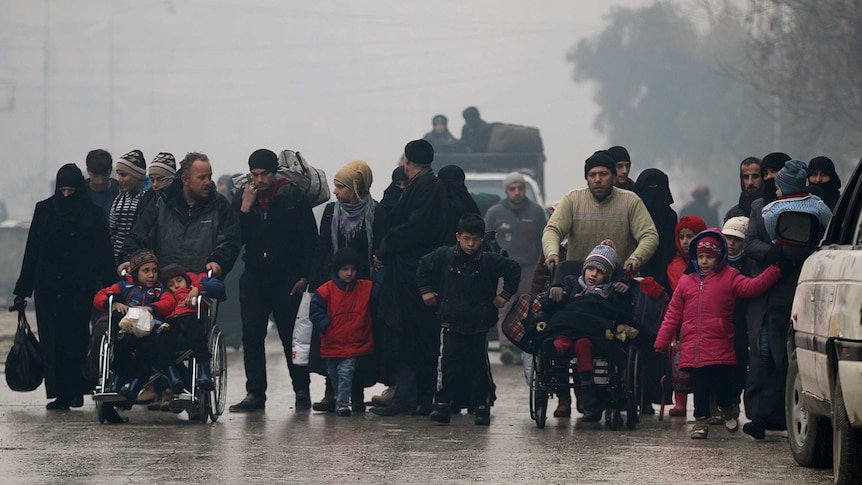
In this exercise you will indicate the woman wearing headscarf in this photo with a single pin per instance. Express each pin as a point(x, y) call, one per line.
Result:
point(349, 222)
point(822, 174)
point(460, 201)
point(68, 258)
point(653, 188)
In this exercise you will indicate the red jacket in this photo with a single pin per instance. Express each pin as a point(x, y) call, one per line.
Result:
point(702, 310)
point(346, 323)
point(158, 297)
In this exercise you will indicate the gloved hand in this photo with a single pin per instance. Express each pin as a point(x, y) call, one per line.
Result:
point(774, 254)
point(621, 287)
point(18, 305)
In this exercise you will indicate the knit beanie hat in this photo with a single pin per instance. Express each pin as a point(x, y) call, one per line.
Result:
point(693, 223)
point(775, 160)
point(357, 176)
point(134, 163)
point(140, 258)
point(512, 178)
point(171, 271)
point(793, 178)
point(344, 257)
point(164, 164)
point(420, 152)
point(439, 120)
point(710, 245)
point(619, 154)
point(263, 158)
point(735, 226)
point(603, 257)
point(600, 158)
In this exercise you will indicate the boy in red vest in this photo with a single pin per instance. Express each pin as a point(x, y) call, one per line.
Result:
point(341, 311)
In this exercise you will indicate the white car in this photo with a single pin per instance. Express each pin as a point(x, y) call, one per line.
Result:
point(824, 380)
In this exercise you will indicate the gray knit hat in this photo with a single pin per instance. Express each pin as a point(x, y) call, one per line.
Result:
point(603, 257)
point(513, 178)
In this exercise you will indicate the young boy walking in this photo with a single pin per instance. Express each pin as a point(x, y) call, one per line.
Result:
point(341, 311)
point(462, 281)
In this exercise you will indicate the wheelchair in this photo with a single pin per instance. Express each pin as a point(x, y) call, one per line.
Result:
point(200, 404)
point(620, 385)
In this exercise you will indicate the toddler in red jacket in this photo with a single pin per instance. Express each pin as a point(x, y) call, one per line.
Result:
point(702, 310)
point(341, 311)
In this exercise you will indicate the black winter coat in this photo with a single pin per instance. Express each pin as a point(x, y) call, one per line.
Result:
point(466, 286)
point(321, 270)
point(279, 242)
point(188, 235)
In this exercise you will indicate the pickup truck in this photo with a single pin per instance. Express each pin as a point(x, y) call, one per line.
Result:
point(823, 399)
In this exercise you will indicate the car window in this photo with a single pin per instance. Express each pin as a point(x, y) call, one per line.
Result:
point(494, 187)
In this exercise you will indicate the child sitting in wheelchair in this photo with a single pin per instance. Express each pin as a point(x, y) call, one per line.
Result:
point(589, 310)
point(183, 323)
point(141, 289)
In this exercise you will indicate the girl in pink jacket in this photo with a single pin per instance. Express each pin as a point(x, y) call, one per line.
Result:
point(702, 310)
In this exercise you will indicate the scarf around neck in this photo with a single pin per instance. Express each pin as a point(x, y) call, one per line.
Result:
point(348, 219)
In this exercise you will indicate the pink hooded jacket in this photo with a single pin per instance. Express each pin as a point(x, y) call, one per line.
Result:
point(702, 309)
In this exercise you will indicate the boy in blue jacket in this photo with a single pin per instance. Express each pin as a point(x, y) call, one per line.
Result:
point(462, 281)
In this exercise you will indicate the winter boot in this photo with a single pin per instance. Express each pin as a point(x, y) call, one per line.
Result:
point(175, 378)
point(680, 403)
point(564, 408)
point(130, 391)
point(482, 416)
point(700, 430)
point(205, 378)
point(592, 413)
point(440, 414)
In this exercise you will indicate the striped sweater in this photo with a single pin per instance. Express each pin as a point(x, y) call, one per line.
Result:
point(621, 217)
point(121, 218)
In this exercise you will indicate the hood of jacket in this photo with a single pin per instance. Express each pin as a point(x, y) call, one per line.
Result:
point(692, 249)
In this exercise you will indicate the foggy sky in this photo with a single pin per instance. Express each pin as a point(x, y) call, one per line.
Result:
point(334, 79)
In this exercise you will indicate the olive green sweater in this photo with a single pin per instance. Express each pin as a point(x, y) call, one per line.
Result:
point(621, 217)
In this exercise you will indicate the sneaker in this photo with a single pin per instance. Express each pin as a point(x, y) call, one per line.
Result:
point(714, 414)
point(700, 430)
point(755, 430)
point(509, 355)
point(250, 403)
point(303, 400)
point(483, 416)
point(327, 404)
point(384, 398)
point(715, 420)
point(564, 409)
point(342, 410)
point(729, 415)
point(440, 414)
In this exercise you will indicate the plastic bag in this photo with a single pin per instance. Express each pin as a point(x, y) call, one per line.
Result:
point(24, 369)
point(680, 378)
point(302, 332)
point(138, 321)
point(311, 181)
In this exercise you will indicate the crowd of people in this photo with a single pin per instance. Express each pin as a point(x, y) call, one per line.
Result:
point(404, 291)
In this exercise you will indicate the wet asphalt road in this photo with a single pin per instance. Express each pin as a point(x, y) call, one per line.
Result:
point(283, 445)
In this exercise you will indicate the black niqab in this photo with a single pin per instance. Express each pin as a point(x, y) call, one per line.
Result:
point(460, 201)
point(70, 209)
point(831, 189)
point(393, 192)
point(653, 187)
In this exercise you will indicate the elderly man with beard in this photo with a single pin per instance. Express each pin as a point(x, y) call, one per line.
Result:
point(751, 183)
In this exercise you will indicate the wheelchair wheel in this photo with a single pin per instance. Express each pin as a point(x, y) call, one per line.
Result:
point(216, 400)
point(634, 388)
point(100, 412)
point(538, 394)
point(104, 364)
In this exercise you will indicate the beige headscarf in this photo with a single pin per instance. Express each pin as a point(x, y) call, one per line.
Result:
point(357, 176)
